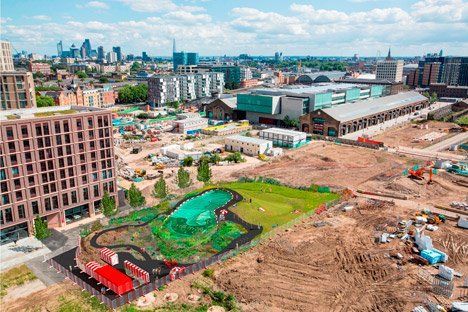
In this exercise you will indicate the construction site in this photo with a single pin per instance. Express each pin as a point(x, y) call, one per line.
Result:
point(373, 224)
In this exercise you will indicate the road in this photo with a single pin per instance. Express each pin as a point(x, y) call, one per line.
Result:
point(374, 130)
point(425, 154)
point(459, 138)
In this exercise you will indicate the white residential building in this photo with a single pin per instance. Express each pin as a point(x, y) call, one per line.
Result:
point(6, 59)
point(247, 145)
point(390, 70)
point(188, 87)
point(283, 137)
point(190, 125)
point(111, 57)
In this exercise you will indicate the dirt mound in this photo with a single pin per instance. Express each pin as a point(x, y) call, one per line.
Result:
point(313, 269)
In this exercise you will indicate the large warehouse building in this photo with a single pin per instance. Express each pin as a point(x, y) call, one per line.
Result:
point(347, 118)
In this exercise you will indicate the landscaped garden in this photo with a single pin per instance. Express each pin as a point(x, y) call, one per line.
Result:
point(196, 229)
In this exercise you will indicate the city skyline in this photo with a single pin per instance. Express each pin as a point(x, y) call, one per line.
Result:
point(337, 28)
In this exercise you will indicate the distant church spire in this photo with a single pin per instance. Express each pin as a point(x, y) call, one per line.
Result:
point(389, 56)
point(174, 50)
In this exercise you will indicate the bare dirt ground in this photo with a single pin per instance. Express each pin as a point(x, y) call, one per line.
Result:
point(416, 135)
point(337, 267)
point(328, 164)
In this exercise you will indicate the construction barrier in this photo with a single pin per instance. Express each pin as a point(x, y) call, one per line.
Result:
point(137, 272)
point(109, 256)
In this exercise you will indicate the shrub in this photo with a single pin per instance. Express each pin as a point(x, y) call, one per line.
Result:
point(208, 273)
point(41, 231)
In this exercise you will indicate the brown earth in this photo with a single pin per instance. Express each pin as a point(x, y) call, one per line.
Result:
point(337, 267)
point(412, 135)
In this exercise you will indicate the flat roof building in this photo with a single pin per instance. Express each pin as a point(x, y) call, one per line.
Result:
point(283, 137)
point(347, 118)
point(272, 106)
point(247, 145)
point(17, 90)
point(55, 163)
point(6, 58)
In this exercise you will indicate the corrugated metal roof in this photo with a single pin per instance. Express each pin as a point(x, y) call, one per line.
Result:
point(351, 111)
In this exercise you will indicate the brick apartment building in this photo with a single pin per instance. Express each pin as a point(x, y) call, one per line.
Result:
point(42, 68)
point(445, 91)
point(53, 164)
point(17, 90)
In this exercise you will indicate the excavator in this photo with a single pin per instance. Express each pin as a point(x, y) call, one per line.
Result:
point(418, 172)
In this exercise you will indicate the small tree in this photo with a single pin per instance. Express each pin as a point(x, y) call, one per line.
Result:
point(215, 158)
point(160, 188)
point(81, 74)
point(234, 157)
point(188, 161)
point(204, 171)
point(183, 178)
point(108, 206)
point(135, 198)
point(41, 231)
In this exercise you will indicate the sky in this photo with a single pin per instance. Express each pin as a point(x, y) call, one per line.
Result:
point(232, 27)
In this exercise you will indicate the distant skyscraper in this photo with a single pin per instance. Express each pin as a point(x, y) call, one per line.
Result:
point(59, 48)
point(145, 56)
point(100, 53)
point(178, 58)
point(174, 50)
point(441, 53)
point(87, 45)
point(389, 55)
point(112, 57)
point(118, 52)
point(74, 51)
point(83, 51)
point(192, 58)
point(278, 57)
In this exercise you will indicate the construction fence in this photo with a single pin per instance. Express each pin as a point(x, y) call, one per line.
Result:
point(344, 141)
point(242, 244)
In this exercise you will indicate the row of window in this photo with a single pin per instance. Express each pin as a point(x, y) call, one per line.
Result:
point(52, 203)
point(43, 129)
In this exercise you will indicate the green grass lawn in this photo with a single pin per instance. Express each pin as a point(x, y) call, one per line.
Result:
point(279, 202)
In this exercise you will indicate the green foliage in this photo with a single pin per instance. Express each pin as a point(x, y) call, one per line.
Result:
point(208, 273)
point(290, 123)
point(103, 80)
point(462, 121)
point(220, 298)
point(38, 75)
point(160, 188)
point(204, 171)
point(135, 197)
point(174, 104)
point(215, 158)
point(135, 66)
point(108, 205)
point(44, 101)
point(234, 157)
point(143, 116)
point(47, 88)
point(432, 97)
point(96, 226)
point(183, 178)
point(133, 94)
point(81, 74)
point(230, 85)
point(85, 231)
point(41, 231)
point(81, 302)
point(143, 215)
point(227, 232)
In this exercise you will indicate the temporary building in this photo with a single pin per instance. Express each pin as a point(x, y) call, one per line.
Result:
point(109, 256)
point(113, 279)
point(136, 271)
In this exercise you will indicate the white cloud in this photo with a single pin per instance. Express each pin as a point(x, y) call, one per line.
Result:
point(451, 11)
point(303, 29)
point(97, 5)
point(41, 17)
point(4, 20)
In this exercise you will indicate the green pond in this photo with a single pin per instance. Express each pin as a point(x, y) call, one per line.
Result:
point(199, 210)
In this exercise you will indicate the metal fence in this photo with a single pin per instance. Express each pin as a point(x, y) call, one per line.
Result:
point(242, 245)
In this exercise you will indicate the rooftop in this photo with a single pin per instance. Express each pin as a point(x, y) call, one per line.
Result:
point(39, 112)
point(368, 81)
point(247, 139)
point(306, 90)
point(284, 131)
point(351, 111)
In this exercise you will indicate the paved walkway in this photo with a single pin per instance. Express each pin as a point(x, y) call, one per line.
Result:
point(24, 250)
point(377, 129)
point(445, 144)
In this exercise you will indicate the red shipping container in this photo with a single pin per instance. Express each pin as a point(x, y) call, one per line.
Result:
point(115, 280)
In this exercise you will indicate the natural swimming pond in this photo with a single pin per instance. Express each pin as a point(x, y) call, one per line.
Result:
point(199, 210)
